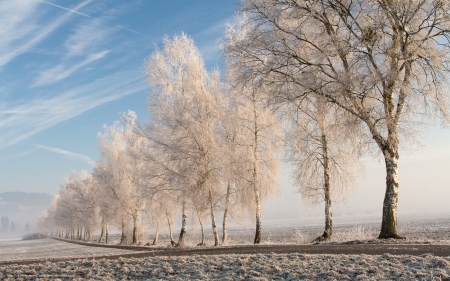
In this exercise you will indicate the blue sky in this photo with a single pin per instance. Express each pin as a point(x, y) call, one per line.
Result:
point(68, 67)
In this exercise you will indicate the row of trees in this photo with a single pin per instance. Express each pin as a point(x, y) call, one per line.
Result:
point(384, 62)
point(339, 78)
point(207, 151)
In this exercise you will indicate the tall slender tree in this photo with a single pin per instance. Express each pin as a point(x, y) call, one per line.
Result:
point(322, 147)
point(184, 106)
point(259, 140)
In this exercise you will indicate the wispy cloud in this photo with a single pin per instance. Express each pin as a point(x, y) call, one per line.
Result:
point(62, 71)
point(87, 37)
point(68, 154)
point(19, 121)
point(20, 29)
point(88, 16)
point(67, 9)
point(20, 155)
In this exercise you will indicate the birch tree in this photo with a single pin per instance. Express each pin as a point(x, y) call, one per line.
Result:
point(385, 62)
point(120, 147)
point(259, 140)
point(322, 147)
point(109, 207)
point(184, 106)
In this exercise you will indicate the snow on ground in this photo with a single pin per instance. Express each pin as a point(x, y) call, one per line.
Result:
point(418, 231)
point(240, 267)
point(49, 248)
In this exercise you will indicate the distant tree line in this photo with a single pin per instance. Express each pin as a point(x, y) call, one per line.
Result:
point(7, 225)
point(325, 81)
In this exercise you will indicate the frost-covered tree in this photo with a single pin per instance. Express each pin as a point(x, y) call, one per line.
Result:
point(323, 150)
point(183, 111)
point(83, 195)
point(108, 205)
point(384, 62)
point(258, 139)
point(75, 209)
point(228, 132)
point(120, 149)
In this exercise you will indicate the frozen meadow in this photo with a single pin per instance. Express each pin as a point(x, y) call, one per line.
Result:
point(21, 250)
point(240, 267)
point(272, 266)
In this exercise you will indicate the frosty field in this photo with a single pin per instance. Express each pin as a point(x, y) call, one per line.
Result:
point(268, 266)
point(240, 267)
point(49, 249)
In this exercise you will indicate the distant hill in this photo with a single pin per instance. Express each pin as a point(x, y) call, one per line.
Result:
point(26, 198)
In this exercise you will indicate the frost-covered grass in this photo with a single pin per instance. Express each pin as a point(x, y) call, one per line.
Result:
point(431, 231)
point(240, 267)
point(48, 249)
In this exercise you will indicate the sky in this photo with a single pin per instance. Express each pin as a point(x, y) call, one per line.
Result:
point(67, 68)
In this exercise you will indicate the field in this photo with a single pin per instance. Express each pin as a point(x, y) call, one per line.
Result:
point(268, 266)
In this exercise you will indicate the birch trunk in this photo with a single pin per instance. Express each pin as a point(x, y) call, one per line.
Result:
point(202, 243)
point(106, 233)
point(123, 238)
point(327, 191)
point(182, 237)
point(225, 216)
point(258, 218)
point(135, 231)
point(155, 241)
point(258, 234)
point(213, 219)
point(170, 228)
point(102, 233)
point(389, 219)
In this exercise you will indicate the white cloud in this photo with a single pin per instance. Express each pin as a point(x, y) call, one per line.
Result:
point(61, 71)
point(20, 155)
point(67, 9)
point(85, 38)
point(68, 154)
point(21, 121)
point(88, 16)
point(20, 31)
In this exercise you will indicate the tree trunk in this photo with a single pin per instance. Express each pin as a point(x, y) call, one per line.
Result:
point(258, 233)
point(389, 219)
point(327, 192)
point(202, 243)
point(170, 228)
point(213, 219)
point(225, 216)
point(106, 233)
point(123, 238)
point(182, 237)
point(102, 233)
point(155, 241)
point(135, 239)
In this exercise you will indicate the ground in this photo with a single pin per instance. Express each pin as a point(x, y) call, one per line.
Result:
point(353, 254)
